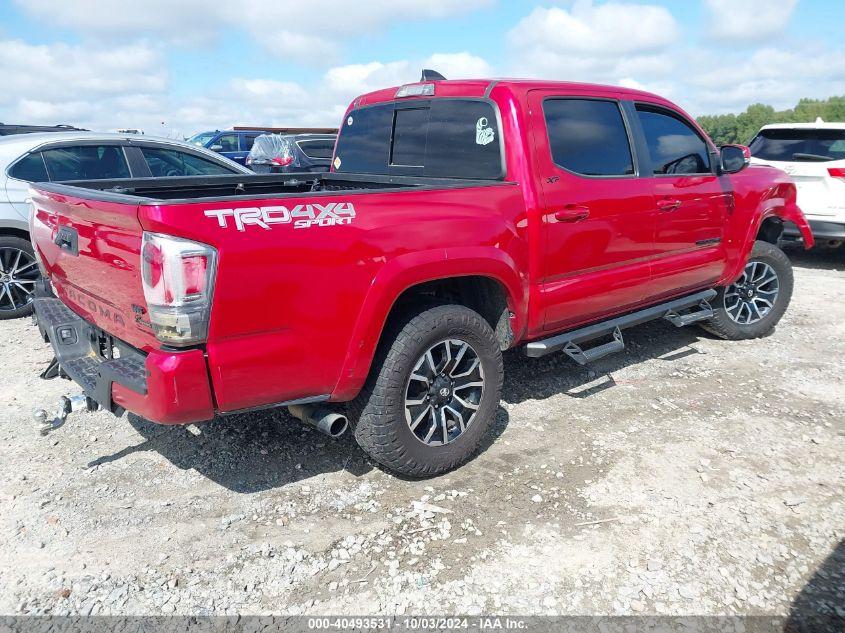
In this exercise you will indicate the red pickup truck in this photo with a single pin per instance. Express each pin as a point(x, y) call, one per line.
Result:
point(460, 219)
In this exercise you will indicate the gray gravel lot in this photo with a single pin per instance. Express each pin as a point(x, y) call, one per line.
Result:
point(688, 475)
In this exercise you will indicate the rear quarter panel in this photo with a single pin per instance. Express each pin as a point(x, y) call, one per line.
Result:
point(297, 312)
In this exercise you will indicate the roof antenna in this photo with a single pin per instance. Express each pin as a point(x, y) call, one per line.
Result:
point(818, 118)
point(431, 75)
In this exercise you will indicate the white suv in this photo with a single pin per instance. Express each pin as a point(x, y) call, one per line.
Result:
point(814, 155)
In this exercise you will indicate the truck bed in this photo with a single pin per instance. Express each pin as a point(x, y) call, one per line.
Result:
point(246, 187)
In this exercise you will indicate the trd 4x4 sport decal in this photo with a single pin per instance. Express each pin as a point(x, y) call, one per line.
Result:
point(302, 216)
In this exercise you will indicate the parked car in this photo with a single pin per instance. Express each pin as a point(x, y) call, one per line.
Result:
point(814, 155)
point(8, 129)
point(280, 153)
point(55, 157)
point(387, 289)
point(233, 144)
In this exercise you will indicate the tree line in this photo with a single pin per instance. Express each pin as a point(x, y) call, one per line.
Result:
point(741, 128)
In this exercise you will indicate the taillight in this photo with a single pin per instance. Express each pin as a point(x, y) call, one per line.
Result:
point(836, 172)
point(178, 278)
point(283, 160)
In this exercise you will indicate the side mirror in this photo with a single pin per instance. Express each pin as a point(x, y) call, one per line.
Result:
point(734, 158)
point(216, 148)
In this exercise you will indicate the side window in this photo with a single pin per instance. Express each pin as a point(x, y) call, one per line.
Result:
point(674, 146)
point(247, 141)
point(228, 142)
point(30, 168)
point(169, 163)
point(588, 137)
point(86, 162)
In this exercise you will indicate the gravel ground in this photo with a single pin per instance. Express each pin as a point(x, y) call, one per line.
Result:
point(687, 475)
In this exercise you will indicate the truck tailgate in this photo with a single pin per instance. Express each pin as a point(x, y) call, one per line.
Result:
point(91, 250)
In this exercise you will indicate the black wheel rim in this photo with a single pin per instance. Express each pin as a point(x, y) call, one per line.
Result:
point(444, 392)
point(18, 274)
point(752, 297)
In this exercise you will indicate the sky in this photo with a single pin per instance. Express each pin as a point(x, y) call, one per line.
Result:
point(175, 67)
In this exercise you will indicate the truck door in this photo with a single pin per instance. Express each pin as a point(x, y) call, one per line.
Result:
point(598, 217)
point(691, 201)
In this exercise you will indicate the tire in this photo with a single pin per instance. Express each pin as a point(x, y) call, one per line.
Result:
point(728, 315)
point(382, 419)
point(15, 301)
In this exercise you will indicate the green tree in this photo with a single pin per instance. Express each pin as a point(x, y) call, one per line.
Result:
point(741, 128)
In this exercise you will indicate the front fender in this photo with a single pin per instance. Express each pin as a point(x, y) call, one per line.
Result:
point(411, 269)
point(777, 201)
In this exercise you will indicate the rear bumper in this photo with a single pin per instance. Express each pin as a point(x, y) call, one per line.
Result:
point(821, 230)
point(164, 387)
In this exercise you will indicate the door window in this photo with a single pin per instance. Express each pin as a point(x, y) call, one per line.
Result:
point(588, 137)
point(169, 162)
point(228, 142)
point(247, 140)
point(674, 146)
point(30, 168)
point(86, 162)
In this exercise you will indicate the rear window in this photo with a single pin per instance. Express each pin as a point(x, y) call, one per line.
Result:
point(318, 148)
point(799, 145)
point(456, 138)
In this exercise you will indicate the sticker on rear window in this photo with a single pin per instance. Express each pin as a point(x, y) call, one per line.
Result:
point(483, 132)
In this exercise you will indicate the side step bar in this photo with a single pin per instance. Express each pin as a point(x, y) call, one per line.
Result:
point(679, 312)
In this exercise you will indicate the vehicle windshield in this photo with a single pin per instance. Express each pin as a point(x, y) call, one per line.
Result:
point(202, 139)
point(799, 145)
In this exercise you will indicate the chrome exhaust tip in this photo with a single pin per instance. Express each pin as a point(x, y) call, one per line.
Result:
point(322, 418)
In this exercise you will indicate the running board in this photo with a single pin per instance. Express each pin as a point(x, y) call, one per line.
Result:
point(676, 311)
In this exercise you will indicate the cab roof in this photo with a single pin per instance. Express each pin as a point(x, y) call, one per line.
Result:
point(484, 87)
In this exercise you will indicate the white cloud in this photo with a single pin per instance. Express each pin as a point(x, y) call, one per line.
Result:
point(126, 87)
point(355, 79)
point(604, 30)
point(588, 42)
point(68, 72)
point(290, 29)
point(748, 20)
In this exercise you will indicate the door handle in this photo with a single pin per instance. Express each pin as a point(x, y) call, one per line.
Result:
point(667, 205)
point(572, 213)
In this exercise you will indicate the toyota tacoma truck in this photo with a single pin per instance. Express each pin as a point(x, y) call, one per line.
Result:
point(460, 219)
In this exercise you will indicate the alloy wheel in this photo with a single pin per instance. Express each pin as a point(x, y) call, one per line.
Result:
point(444, 392)
point(751, 297)
point(18, 274)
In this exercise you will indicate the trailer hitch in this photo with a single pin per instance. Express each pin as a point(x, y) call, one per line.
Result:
point(67, 405)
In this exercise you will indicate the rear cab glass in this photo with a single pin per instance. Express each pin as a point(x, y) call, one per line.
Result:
point(445, 138)
point(795, 144)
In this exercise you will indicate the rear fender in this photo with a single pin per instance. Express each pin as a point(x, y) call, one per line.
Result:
point(412, 269)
